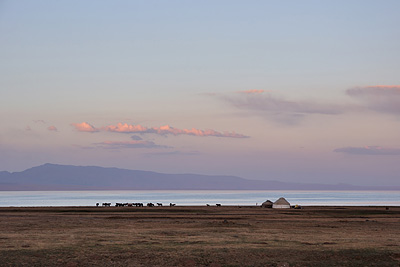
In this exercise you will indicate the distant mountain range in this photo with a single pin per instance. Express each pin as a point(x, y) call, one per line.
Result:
point(67, 177)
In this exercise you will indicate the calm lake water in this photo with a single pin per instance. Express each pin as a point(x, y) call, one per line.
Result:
point(200, 198)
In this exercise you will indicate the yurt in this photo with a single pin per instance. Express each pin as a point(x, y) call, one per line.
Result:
point(267, 204)
point(281, 203)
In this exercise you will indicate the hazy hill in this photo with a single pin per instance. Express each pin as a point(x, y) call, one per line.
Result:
point(66, 177)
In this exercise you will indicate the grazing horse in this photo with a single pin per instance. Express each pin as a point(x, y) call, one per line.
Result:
point(150, 205)
point(159, 204)
point(172, 204)
point(208, 205)
point(106, 204)
point(218, 205)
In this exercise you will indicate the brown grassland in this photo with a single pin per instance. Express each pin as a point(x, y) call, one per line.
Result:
point(199, 236)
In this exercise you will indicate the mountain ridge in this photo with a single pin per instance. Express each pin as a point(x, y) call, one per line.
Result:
point(70, 177)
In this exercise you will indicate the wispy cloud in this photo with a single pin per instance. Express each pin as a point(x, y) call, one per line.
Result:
point(277, 108)
point(273, 104)
point(162, 130)
point(85, 127)
point(380, 98)
point(83, 147)
point(252, 91)
point(173, 153)
point(128, 144)
point(368, 150)
point(136, 137)
point(52, 128)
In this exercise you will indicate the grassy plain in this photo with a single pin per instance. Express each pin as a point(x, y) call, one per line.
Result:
point(199, 236)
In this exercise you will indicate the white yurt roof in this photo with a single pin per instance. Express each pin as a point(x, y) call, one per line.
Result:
point(282, 201)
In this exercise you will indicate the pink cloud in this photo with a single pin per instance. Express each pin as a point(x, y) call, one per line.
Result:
point(52, 128)
point(126, 128)
point(162, 130)
point(84, 127)
point(166, 130)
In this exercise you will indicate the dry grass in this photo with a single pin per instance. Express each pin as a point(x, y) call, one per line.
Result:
point(200, 236)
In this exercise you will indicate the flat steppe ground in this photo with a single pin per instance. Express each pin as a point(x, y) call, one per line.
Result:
point(200, 236)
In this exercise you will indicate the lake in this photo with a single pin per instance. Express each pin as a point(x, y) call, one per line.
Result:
point(198, 197)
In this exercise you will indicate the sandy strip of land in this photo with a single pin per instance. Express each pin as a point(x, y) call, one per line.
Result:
point(200, 236)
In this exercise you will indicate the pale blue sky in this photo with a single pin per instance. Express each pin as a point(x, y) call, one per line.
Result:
point(182, 63)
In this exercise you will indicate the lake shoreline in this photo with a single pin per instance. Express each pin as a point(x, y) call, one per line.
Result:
point(305, 209)
point(197, 198)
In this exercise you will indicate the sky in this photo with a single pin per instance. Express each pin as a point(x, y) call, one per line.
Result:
point(293, 91)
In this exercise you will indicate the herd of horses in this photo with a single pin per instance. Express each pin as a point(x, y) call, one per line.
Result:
point(106, 204)
point(133, 204)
